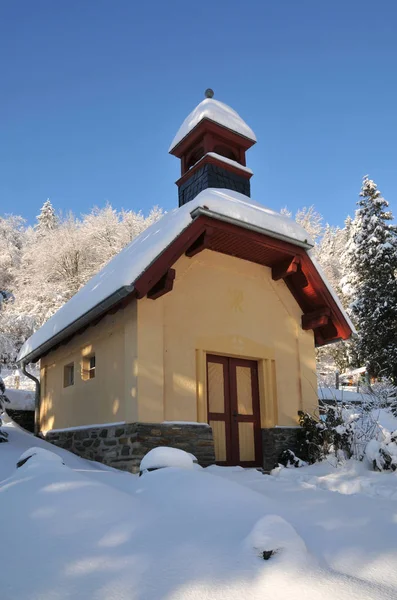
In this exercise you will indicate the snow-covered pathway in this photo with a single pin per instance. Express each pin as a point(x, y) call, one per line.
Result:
point(80, 531)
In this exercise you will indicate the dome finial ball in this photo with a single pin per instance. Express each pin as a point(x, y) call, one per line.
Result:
point(209, 93)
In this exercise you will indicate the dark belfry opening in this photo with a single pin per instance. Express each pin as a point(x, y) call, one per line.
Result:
point(212, 152)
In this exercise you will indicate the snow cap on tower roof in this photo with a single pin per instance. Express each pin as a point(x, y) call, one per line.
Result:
point(214, 111)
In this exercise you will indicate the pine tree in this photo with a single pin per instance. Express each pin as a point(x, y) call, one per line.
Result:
point(47, 219)
point(370, 282)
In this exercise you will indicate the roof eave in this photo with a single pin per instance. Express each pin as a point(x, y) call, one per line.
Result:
point(279, 236)
point(174, 147)
point(83, 321)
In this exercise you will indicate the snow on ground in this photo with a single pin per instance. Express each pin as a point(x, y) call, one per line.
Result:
point(81, 531)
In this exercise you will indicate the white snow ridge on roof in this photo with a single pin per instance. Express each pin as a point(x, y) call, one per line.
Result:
point(219, 113)
point(129, 264)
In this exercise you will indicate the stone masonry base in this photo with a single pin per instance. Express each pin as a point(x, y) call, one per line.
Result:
point(123, 446)
point(275, 441)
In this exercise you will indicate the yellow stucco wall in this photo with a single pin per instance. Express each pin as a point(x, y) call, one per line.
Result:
point(151, 356)
point(222, 305)
point(111, 395)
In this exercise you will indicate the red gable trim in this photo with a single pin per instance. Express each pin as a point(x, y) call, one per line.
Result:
point(208, 126)
point(288, 262)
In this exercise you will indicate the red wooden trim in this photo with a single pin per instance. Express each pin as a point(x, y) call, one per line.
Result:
point(201, 243)
point(294, 283)
point(253, 236)
point(163, 286)
point(204, 126)
point(223, 360)
point(170, 255)
point(316, 319)
point(341, 324)
point(238, 418)
point(197, 227)
point(285, 268)
point(235, 454)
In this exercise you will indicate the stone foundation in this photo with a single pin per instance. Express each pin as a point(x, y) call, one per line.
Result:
point(124, 446)
point(23, 418)
point(275, 441)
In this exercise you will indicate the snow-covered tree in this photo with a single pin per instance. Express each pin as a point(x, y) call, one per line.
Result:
point(328, 253)
point(11, 243)
point(370, 282)
point(41, 267)
point(311, 220)
point(47, 219)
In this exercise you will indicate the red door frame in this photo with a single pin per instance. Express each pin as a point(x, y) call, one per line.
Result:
point(230, 415)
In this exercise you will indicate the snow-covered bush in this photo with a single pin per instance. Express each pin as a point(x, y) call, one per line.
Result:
point(3, 401)
point(366, 430)
point(164, 456)
point(382, 456)
point(330, 434)
point(289, 459)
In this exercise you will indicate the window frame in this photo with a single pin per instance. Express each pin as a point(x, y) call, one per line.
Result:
point(68, 375)
point(88, 368)
point(91, 368)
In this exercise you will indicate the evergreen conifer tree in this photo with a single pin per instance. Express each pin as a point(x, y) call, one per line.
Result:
point(47, 219)
point(370, 264)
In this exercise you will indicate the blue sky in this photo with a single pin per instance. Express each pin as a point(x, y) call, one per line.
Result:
point(93, 91)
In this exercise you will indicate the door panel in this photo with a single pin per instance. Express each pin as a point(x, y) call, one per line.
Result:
point(219, 432)
point(244, 390)
point(246, 441)
point(233, 410)
point(216, 388)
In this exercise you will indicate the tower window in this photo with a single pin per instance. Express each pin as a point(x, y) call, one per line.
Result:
point(68, 375)
point(194, 157)
point(226, 152)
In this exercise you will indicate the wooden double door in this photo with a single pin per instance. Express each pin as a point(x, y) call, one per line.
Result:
point(233, 410)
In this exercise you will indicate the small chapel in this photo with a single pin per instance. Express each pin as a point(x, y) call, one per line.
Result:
point(201, 333)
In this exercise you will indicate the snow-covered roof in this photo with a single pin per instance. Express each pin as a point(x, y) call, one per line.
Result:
point(346, 396)
point(117, 278)
point(331, 290)
point(20, 399)
point(214, 111)
point(125, 267)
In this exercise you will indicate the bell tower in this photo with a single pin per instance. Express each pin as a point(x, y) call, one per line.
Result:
point(211, 144)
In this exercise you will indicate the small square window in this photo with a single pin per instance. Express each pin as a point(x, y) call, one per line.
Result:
point(68, 375)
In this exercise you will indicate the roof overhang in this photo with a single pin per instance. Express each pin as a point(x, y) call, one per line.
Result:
point(288, 258)
point(207, 125)
point(89, 318)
